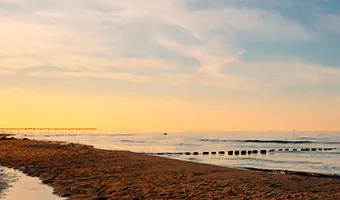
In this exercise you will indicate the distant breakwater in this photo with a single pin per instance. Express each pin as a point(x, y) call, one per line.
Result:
point(271, 141)
point(241, 152)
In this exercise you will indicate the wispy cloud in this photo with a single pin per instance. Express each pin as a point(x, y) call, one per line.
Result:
point(154, 41)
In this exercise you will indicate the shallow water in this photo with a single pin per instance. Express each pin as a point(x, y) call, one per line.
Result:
point(25, 187)
point(327, 162)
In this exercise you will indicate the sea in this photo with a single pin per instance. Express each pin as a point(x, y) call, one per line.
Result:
point(171, 145)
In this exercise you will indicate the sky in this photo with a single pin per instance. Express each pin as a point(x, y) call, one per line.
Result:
point(170, 65)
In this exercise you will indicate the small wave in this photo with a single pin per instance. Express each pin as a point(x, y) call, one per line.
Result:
point(196, 159)
point(216, 140)
point(280, 141)
point(282, 161)
point(188, 144)
point(132, 141)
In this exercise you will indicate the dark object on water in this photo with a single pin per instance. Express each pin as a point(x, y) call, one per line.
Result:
point(187, 153)
point(280, 149)
point(243, 152)
point(213, 152)
point(263, 151)
point(221, 152)
point(26, 139)
point(313, 149)
point(237, 152)
point(294, 149)
point(320, 149)
point(271, 150)
point(249, 152)
point(165, 133)
point(286, 149)
point(205, 153)
point(195, 153)
point(230, 153)
point(255, 151)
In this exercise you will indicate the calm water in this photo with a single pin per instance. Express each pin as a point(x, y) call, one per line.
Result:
point(25, 187)
point(327, 162)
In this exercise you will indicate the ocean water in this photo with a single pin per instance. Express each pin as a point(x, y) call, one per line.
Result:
point(326, 162)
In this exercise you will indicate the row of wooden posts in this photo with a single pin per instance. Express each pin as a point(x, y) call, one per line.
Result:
point(242, 152)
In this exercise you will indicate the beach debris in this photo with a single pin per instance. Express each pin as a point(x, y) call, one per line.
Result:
point(6, 138)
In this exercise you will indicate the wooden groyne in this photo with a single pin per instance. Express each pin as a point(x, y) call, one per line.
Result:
point(241, 152)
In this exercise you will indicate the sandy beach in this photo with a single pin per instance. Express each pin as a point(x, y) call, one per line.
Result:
point(83, 172)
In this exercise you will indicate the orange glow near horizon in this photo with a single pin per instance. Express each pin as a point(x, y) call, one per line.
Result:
point(122, 114)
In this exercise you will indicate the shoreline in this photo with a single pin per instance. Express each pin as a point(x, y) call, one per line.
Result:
point(82, 172)
point(297, 173)
point(6, 135)
point(3, 185)
point(268, 170)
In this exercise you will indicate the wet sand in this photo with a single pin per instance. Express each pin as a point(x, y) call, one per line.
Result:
point(83, 172)
point(3, 184)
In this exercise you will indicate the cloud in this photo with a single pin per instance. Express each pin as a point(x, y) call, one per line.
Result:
point(288, 73)
point(6, 72)
point(150, 41)
point(329, 22)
